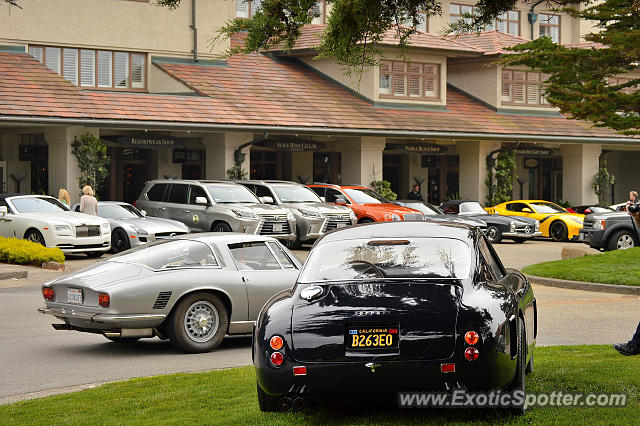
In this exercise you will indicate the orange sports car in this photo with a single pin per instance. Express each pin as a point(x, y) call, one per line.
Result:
point(368, 205)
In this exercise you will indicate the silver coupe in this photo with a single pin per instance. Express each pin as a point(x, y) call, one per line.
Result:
point(191, 289)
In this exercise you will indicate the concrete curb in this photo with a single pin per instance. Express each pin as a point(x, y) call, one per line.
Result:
point(581, 285)
point(13, 274)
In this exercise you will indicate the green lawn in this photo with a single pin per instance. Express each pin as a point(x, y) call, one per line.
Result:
point(614, 267)
point(229, 397)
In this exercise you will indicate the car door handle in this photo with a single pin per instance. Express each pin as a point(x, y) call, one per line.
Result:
point(186, 211)
point(245, 279)
point(163, 209)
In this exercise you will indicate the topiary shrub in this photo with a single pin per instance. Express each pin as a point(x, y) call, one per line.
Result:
point(23, 252)
point(383, 187)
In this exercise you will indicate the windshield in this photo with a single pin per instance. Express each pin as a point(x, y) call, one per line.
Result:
point(427, 209)
point(118, 211)
point(547, 207)
point(295, 194)
point(601, 210)
point(365, 259)
point(472, 207)
point(38, 205)
point(365, 196)
point(231, 194)
point(168, 254)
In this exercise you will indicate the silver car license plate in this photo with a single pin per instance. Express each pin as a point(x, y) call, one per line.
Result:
point(277, 227)
point(74, 295)
point(581, 237)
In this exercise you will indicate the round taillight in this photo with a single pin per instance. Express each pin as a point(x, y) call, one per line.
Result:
point(276, 343)
point(48, 294)
point(471, 354)
point(104, 300)
point(471, 337)
point(277, 359)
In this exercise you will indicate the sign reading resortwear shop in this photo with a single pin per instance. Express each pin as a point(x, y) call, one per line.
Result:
point(148, 141)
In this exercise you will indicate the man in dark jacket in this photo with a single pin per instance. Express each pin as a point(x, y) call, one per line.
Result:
point(415, 193)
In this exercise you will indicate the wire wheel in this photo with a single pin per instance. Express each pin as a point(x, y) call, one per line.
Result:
point(35, 237)
point(201, 321)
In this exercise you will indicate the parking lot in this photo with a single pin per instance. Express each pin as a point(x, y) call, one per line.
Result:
point(36, 360)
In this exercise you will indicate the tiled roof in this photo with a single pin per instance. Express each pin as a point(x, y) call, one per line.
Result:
point(490, 42)
point(256, 90)
point(585, 45)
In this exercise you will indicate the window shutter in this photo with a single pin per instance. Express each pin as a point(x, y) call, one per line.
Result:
point(506, 86)
point(255, 6)
point(518, 87)
point(137, 70)
point(317, 11)
point(121, 70)
point(415, 71)
point(70, 65)
point(52, 58)
point(385, 78)
point(431, 72)
point(400, 79)
point(242, 9)
point(88, 67)
point(533, 88)
point(36, 52)
point(104, 69)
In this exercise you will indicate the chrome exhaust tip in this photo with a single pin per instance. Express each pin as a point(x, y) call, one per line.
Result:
point(299, 404)
point(284, 404)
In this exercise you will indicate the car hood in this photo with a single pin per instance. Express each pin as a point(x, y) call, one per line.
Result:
point(390, 208)
point(506, 220)
point(101, 275)
point(66, 217)
point(543, 217)
point(256, 208)
point(152, 225)
point(318, 207)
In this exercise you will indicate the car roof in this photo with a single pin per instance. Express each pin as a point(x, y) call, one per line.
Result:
point(192, 181)
point(267, 182)
point(399, 230)
point(224, 237)
point(330, 185)
point(458, 202)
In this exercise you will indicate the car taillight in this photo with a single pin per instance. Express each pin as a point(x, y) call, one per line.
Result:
point(48, 294)
point(104, 300)
point(277, 359)
point(276, 343)
point(471, 354)
point(471, 337)
point(448, 368)
point(300, 371)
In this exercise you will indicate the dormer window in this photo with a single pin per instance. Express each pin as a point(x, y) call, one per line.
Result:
point(523, 88)
point(507, 22)
point(409, 80)
point(550, 26)
point(246, 9)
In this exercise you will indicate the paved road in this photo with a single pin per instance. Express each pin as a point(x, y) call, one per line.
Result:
point(36, 360)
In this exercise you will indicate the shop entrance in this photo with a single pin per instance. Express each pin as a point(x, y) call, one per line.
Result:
point(134, 172)
point(327, 167)
point(545, 178)
point(391, 168)
point(444, 177)
point(267, 164)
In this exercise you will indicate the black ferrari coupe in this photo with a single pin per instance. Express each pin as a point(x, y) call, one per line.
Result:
point(396, 306)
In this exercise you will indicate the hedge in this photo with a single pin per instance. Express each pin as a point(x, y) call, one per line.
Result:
point(23, 252)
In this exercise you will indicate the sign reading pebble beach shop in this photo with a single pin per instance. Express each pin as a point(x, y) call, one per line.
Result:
point(417, 148)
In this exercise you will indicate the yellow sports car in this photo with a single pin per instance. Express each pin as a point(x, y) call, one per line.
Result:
point(555, 221)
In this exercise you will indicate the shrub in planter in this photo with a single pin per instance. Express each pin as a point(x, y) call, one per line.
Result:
point(23, 252)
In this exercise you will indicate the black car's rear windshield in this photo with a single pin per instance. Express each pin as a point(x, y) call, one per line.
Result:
point(366, 259)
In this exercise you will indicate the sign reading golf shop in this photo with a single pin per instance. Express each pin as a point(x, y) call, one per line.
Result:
point(533, 151)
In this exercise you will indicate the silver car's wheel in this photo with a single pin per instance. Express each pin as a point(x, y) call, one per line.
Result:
point(35, 236)
point(625, 241)
point(201, 321)
point(198, 323)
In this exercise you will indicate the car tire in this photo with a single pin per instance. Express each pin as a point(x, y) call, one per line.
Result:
point(35, 236)
point(267, 402)
point(119, 240)
point(198, 323)
point(529, 365)
point(95, 254)
point(558, 231)
point(621, 240)
point(520, 240)
point(123, 340)
point(365, 220)
point(221, 227)
point(493, 234)
point(518, 382)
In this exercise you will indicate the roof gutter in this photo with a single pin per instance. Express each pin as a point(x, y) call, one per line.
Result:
point(405, 133)
point(195, 30)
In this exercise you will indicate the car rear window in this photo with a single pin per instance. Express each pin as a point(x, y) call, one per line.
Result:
point(169, 254)
point(366, 259)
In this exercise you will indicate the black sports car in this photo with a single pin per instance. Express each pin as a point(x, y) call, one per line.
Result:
point(395, 306)
point(519, 229)
point(433, 213)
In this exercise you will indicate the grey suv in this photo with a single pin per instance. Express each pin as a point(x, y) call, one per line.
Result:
point(313, 217)
point(218, 206)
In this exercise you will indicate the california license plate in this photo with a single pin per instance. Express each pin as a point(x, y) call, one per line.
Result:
point(372, 337)
point(277, 227)
point(581, 237)
point(341, 225)
point(74, 295)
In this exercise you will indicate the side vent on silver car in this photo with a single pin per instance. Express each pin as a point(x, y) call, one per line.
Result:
point(162, 300)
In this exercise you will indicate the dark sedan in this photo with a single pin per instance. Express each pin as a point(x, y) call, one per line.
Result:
point(388, 307)
point(519, 229)
point(433, 213)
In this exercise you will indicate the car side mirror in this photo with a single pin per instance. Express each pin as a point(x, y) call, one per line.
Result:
point(201, 200)
point(143, 213)
point(527, 210)
point(267, 199)
point(341, 201)
point(3, 211)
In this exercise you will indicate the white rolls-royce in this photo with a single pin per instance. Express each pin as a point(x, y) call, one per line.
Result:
point(43, 219)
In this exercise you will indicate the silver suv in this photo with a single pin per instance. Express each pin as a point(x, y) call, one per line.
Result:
point(313, 217)
point(218, 206)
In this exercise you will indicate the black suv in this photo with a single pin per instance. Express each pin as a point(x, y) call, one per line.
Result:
point(609, 231)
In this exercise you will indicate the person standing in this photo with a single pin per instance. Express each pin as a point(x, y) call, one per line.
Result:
point(63, 197)
point(633, 199)
point(415, 193)
point(88, 203)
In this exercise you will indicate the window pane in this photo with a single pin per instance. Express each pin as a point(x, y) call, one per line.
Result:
point(318, 13)
point(255, 6)
point(137, 70)
point(52, 58)
point(253, 256)
point(422, 22)
point(242, 9)
point(88, 67)
point(554, 34)
point(70, 59)
point(281, 255)
point(122, 69)
point(36, 52)
point(104, 69)
point(513, 28)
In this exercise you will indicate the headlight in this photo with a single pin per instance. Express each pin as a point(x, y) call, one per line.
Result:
point(537, 225)
point(352, 215)
point(512, 226)
point(244, 214)
point(598, 223)
point(309, 213)
point(63, 229)
point(140, 231)
point(395, 217)
point(578, 221)
point(289, 215)
point(106, 228)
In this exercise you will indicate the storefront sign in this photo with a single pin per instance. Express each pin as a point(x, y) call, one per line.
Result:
point(148, 141)
point(186, 155)
point(297, 145)
point(533, 151)
point(417, 148)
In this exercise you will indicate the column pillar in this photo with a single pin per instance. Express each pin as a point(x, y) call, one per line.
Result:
point(219, 149)
point(362, 160)
point(473, 168)
point(63, 165)
point(580, 162)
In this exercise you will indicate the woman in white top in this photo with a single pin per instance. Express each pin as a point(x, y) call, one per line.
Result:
point(88, 203)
